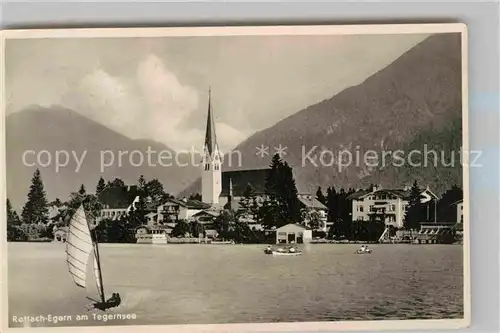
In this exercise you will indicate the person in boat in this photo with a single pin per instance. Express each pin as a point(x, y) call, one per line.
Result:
point(362, 248)
point(112, 302)
point(291, 250)
point(269, 250)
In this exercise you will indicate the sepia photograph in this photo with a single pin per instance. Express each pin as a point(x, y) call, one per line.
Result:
point(265, 175)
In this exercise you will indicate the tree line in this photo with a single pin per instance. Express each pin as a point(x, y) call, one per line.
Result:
point(277, 206)
point(35, 222)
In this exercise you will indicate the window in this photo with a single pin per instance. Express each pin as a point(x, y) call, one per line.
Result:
point(217, 167)
point(393, 208)
point(207, 166)
point(361, 209)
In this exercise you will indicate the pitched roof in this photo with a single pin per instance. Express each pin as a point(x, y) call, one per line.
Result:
point(293, 224)
point(401, 193)
point(189, 203)
point(118, 197)
point(210, 136)
point(206, 212)
point(311, 202)
point(240, 179)
point(358, 194)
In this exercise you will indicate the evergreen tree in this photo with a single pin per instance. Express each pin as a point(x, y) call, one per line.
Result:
point(332, 204)
point(82, 190)
point(101, 185)
point(282, 203)
point(416, 210)
point(57, 202)
point(446, 210)
point(12, 217)
point(195, 196)
point(245, 203)
point(320, 196)
point(35, 210)
point(141, 182)
point(117, 183)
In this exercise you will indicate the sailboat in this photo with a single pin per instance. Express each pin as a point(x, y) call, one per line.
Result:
point(79, 248)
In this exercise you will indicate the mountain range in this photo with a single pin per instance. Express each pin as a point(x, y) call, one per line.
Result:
point(414, 101)
point(58, 129)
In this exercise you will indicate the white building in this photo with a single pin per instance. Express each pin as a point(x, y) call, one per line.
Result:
point(293, 234)
point(391, 204)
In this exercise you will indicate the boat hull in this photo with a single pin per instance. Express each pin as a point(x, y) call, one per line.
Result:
point(286, 254)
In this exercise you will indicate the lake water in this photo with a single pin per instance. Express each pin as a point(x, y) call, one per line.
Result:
point(201, 284)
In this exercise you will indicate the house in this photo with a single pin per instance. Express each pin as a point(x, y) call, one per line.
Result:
point(313, 208)
point(293, 234)
point(174, 210)
point(60, 234)
point(117, 201)
point(388, 204)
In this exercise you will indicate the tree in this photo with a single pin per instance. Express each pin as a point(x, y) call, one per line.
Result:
point(12, 217)
point(35, 210)
point(313, 219)
point(223, 223)
point(57, 203)
point(416, 210)
point(196, 229)
point(141, 182)
point(195, 196)
point(332, 203)
point(245, 203)
point(181, 229)
point(101, 185)
point(446, 210)
point(282, 203)
point(82, 190)
point(320, 196)
point(154, 189)
point(117, 182)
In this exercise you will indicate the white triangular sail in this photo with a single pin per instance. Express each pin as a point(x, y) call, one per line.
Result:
point(79, 246)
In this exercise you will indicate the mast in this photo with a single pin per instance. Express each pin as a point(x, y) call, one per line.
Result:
point(97, 260)
point(96, 253)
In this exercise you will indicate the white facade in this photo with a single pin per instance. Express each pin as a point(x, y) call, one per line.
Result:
point(390, 203)
point(211, 177)
point(293, 234)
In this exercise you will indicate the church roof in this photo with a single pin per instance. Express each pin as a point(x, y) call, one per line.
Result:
point(240, 179)
point(210, 137)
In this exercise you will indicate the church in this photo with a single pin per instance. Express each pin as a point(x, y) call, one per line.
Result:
point(220, 189)
point(223, 190)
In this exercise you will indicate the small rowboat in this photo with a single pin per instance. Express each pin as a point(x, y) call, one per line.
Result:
point(363, 252)
point(277, 253)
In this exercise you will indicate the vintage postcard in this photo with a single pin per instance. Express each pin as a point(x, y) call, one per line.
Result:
point(227, 179)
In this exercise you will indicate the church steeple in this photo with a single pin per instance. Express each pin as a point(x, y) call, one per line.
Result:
point(210, 136)
point(211, 176)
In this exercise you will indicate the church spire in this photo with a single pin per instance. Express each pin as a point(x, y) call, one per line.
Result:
point(210, 137)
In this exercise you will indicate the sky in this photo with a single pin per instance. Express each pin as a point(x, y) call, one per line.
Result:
point(157, 88)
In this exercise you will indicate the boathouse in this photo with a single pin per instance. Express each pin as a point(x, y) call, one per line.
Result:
point(293, 234)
